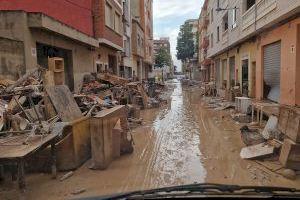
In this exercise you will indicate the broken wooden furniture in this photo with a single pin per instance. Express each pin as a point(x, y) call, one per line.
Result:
point(14, 150)
point(262, 108)
point(113, 79)
point(108, 141)
point(289, 124)
point(63, 102)
point(290, 155)
point(75, 148)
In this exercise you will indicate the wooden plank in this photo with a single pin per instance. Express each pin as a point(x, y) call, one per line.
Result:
point(102, 144)
point(21, 80)
point(283, 119)
point(64, 102)
point(112, 111)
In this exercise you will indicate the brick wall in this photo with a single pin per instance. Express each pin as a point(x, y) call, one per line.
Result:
point(101, 30)
point(75, 13)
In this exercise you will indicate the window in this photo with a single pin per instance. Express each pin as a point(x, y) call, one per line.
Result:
point(139, 40)
point(117, 23)
point(218, 34)
point(108, 16)
point(150, 51)
point(249, 4)
point(211, 15)
point(211, 40)
point(225, 22)
point(234, 17)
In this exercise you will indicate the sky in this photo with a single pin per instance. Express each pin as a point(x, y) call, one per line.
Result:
point(169, 15)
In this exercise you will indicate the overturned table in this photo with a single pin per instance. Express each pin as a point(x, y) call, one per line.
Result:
point(14, 150)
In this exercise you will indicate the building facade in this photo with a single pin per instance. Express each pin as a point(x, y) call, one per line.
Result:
point(142, 33)
point(203, 61)
point(32, 31)
point(253, 44)
point(127, 61)
point(94, 36)
point(190, 66)
point(108, 29)
point(148, 27)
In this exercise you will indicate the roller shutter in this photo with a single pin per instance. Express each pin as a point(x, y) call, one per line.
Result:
point(271, 61)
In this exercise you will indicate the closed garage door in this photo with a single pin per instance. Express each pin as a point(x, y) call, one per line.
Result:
point(272, 71)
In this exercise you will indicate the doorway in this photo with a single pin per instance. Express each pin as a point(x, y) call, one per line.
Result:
point(112, 64)
point(224, 73)
point(245, 77)
point(218, 73)
point(232, 71)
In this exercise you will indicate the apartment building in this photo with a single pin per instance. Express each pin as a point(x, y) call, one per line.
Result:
point(137, 37)
point(108, 29)
point(203, 61)
point(142, 34)
point(163, 42)
point(167, 71)
point(127, 61)
point(31, 31)
point(148, 27)
point(254, 44)
point(191, 66)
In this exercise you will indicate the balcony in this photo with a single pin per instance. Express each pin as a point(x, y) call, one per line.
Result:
point(261, 9)
point(205, 23)
point(204, 43)
point(206, 62)
point(225, 37)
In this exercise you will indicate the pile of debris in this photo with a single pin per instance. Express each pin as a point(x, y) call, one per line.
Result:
point(217, 103)
point(32, 106)
point(278, 141)
point(23, 106)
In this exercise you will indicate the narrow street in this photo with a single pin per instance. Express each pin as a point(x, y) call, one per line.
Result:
point(180, 144)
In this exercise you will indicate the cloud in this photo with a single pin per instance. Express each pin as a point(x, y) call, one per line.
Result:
point(175, 8)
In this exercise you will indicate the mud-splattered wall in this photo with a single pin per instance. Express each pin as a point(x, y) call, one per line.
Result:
point(12, 61)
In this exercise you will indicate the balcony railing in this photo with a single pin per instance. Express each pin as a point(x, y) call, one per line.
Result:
point(204, 43)
point(258, 11)
point(205, 23)
point(225, 37)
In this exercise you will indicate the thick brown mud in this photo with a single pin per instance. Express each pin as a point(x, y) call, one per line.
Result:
point(181, 143)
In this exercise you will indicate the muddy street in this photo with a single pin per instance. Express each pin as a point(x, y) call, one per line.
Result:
point(182, 143)
point(172, 151)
